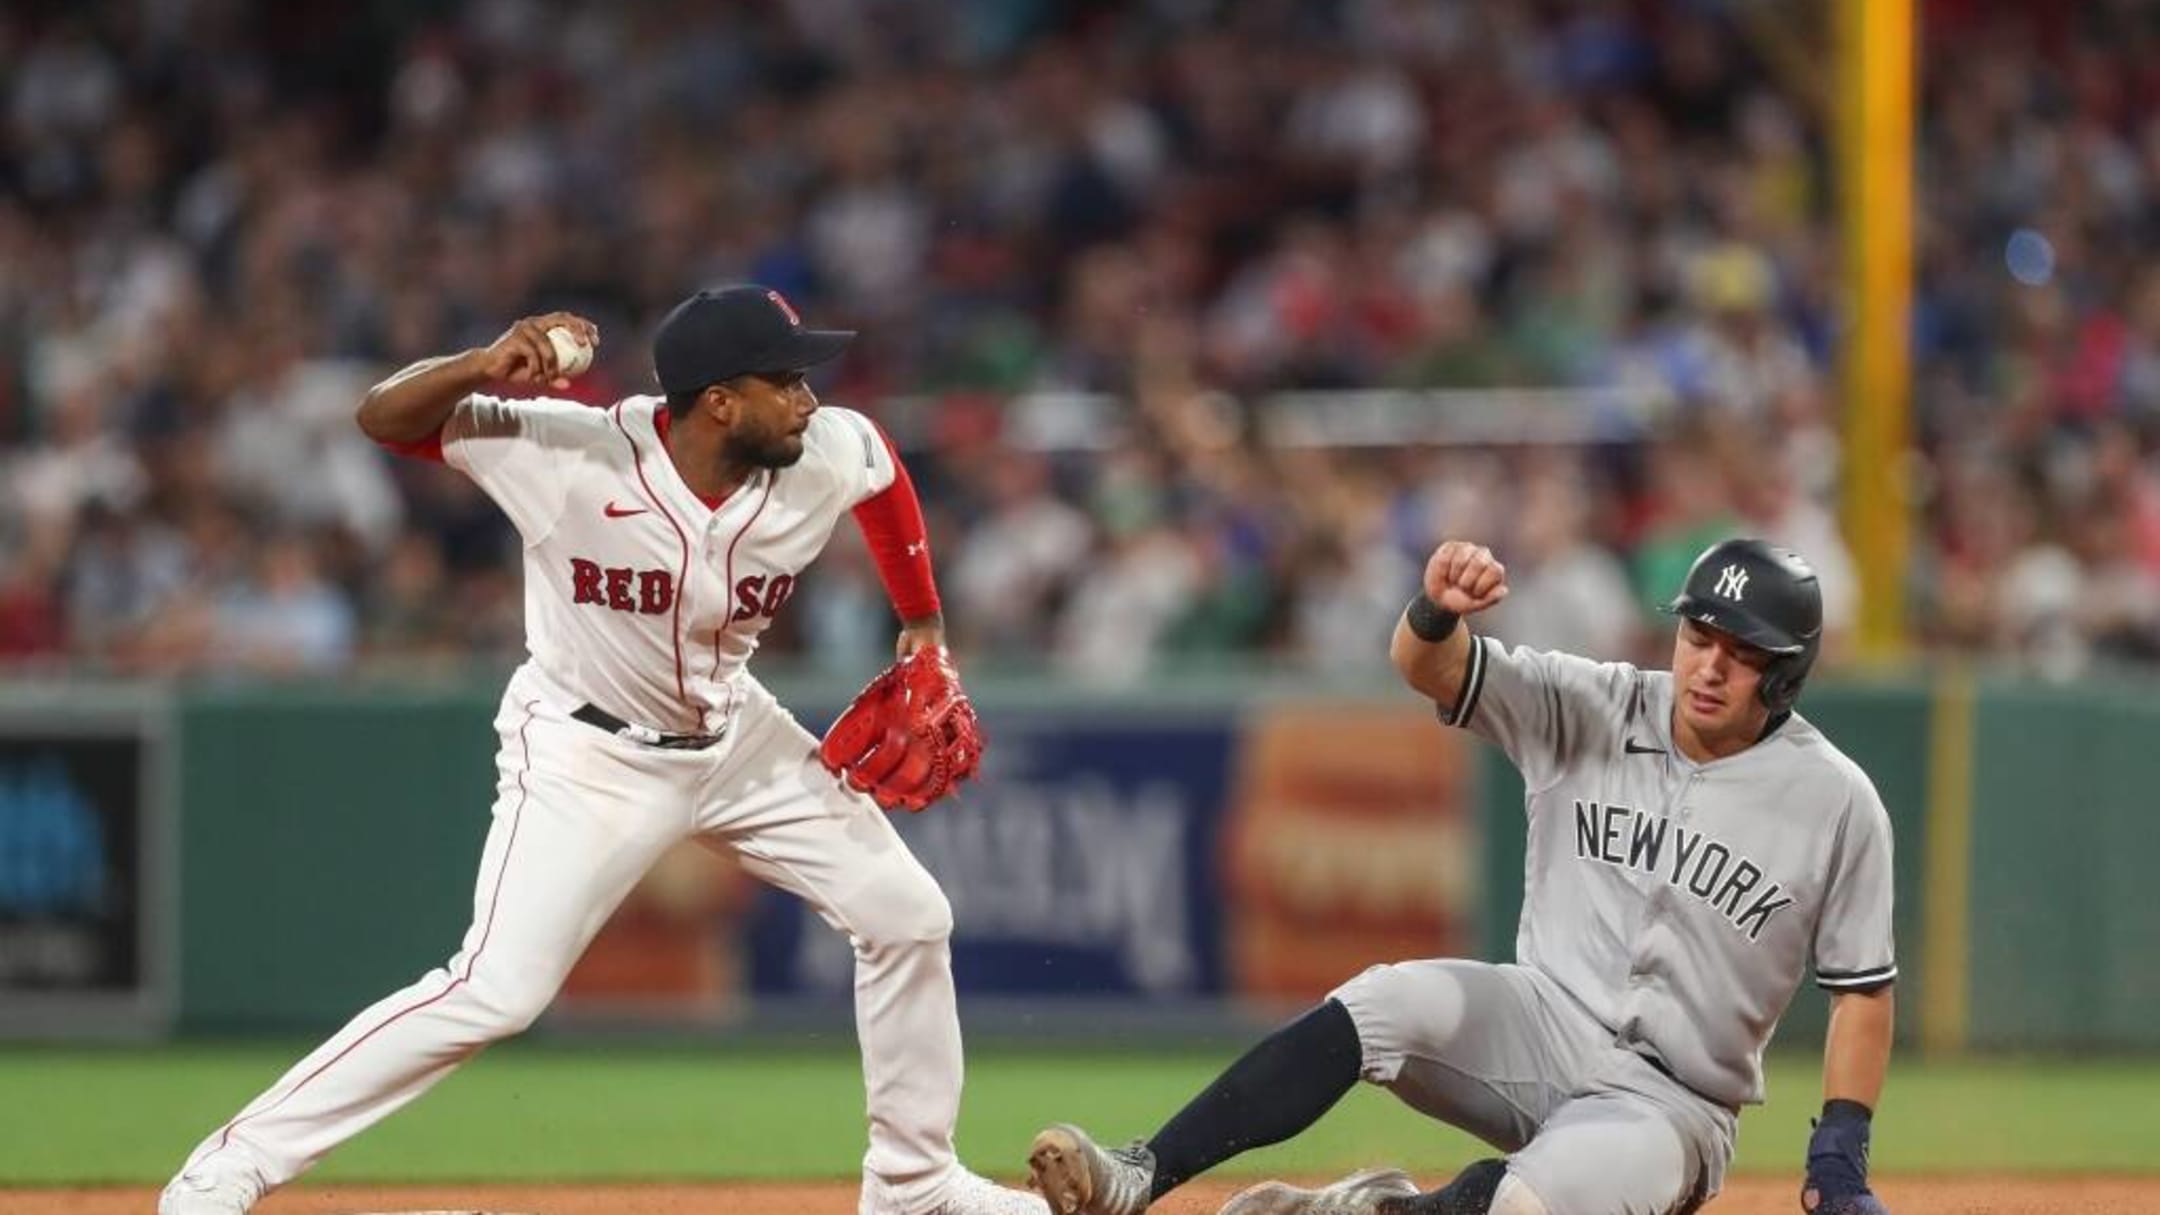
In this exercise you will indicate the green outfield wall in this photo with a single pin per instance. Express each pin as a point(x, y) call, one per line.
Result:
point(328, 847)
point(2065, 910)
point(319, 845)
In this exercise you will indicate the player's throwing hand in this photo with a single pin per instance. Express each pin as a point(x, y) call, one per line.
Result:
point(524, 355)
point(1462, 577)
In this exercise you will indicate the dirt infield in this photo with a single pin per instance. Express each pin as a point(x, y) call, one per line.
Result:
point(1965, 1195)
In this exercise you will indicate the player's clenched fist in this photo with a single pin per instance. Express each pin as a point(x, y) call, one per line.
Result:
point(1462, 577)
point(524, 354)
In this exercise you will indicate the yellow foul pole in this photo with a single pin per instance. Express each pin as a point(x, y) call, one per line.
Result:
point(1875, 204)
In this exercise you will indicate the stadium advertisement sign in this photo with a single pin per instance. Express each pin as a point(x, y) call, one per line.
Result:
point(84, 926)
point(1152, 858)
point(1083, 862)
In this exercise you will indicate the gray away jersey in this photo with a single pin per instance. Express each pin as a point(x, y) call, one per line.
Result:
point(1682, 902)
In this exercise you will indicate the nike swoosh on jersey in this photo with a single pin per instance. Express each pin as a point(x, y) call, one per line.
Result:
point(616, 512)
point(1636, 748)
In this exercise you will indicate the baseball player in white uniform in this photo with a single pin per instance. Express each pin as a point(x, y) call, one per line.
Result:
point(661, 536)
point(1694, 846)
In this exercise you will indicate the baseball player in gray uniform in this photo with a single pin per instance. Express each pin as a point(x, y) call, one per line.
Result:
point(1694, 846)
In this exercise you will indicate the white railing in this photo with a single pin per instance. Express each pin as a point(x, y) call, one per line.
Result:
point(1496, 417)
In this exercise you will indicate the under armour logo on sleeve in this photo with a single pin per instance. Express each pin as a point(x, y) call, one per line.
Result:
point(1732, 582)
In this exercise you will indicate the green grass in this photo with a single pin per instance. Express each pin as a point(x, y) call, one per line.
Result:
point(541, 1112)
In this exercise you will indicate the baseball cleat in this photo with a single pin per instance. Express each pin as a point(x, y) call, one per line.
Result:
point(1360, 1193)
point(208, 1194)
point(1078, 1178)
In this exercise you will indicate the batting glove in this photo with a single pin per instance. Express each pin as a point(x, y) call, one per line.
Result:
point(1837, 1163)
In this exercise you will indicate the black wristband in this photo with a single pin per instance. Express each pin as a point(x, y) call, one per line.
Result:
point(1430, 621)
point(1838, 1109)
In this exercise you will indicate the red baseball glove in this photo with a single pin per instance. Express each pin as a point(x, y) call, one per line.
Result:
point(909, 737)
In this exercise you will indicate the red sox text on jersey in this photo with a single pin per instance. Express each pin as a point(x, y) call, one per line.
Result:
point(652, 592)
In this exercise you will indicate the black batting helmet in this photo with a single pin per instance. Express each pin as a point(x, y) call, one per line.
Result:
point(1767, 597)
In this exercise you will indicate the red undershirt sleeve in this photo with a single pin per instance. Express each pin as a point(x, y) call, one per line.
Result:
point(429, 448)
point(892, 523)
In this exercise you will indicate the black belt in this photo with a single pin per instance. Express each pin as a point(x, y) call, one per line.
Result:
point(599, 718)
point(1663, 1067)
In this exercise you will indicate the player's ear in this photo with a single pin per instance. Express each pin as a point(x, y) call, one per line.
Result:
point(719, 402)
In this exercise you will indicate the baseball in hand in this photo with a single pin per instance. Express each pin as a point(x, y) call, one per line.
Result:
point(572, 355)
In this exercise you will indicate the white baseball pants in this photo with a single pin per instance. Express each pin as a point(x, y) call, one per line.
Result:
point(580, 816)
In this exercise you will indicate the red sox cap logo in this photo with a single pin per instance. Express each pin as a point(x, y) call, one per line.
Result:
point(786, 309)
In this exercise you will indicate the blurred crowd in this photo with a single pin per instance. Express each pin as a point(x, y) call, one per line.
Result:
point(220, 221)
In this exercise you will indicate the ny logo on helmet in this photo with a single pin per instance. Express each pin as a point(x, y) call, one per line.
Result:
point(1731, 582)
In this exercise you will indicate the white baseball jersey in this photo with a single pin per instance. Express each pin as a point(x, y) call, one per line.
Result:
point(640, 598)
point(1681, 903)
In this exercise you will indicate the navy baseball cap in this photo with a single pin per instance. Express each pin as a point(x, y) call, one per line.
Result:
point(724, 332)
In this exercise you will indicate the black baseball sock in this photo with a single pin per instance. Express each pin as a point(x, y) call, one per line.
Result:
point(1471, 1193)
point(1277, 1089)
